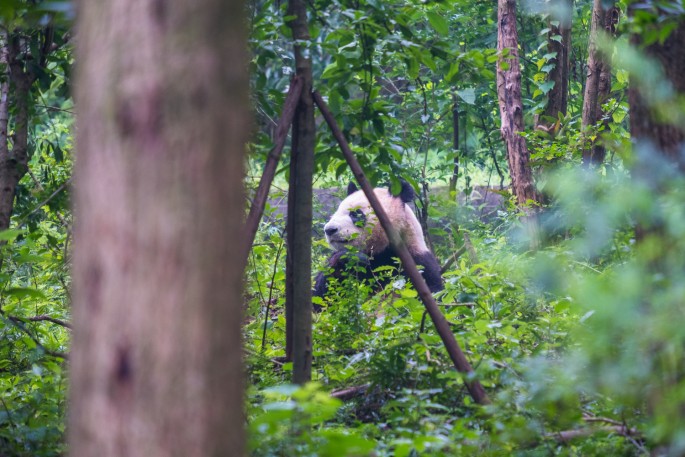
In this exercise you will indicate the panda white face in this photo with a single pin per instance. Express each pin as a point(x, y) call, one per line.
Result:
point(352, 224)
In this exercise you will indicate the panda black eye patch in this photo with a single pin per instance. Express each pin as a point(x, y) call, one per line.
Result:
point(358, 217)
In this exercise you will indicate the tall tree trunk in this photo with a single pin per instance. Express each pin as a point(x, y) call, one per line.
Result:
point(559, 43)
point(6, 183)
point(15, 86)
point(162, 122)
point(299, 226)
point(455, 144)
point(666, 136)
point(598, 82)
point(511, 110)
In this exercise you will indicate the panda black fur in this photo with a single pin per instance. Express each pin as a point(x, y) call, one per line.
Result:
point(356, 235)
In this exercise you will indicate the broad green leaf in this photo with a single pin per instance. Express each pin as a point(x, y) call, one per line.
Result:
point(468, 95)
point(438, 22)
point(10, 234)
point(24, 292)
point(330, 70)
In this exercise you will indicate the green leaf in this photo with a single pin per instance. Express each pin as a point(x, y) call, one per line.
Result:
point(330, 70)
point(24, 292)
point(438, 22)
point(618, 116)
point(10, 234)
point(454, 69)
point(546, 86)
point(468, 95)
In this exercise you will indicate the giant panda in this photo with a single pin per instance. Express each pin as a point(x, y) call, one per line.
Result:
point(357, 237)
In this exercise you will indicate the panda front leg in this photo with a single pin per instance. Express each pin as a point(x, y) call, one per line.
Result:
point(341, 263)
point(431, 270)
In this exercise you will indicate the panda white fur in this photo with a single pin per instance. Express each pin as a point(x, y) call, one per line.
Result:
point(355, 233)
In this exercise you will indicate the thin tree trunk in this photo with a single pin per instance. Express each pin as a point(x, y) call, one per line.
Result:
point(557, 97)
point(598, 81)
point(262, 193)
point(6, 185)
point(162, 123)
point(598, 151)
point(565, 29)
point(511, 110)
point(455, 143)
point(14, 161)
point(299, 224)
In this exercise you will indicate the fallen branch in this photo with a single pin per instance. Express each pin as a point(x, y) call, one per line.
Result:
point(257, 208)
point(453, 258)
point(441, 325)
point(349, 392)
point(567, 436)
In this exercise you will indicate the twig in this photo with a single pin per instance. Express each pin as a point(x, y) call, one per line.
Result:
point(9, 415)
point(45, 202)
point(54, 108)
point(18, 323)
point(462, 365)
point(41, 318)
point(271, 291)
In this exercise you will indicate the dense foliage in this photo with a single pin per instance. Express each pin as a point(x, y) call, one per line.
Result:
point(579, 344)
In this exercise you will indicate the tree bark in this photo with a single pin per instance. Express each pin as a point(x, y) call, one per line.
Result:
point(557, 97)
point(162, 96)
point(455, 144)
point(509, 95)
point(598, 81)
point(645, 124)
point(15, 86)
point(299, 225)
point(6, 185)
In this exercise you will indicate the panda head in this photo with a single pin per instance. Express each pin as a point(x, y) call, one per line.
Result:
point(355, 225)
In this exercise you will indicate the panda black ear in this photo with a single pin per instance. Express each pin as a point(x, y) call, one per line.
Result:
point(407, 193)
point(351, 188)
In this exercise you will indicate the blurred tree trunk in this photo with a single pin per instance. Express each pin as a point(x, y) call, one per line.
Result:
point(558, 43)
point(598, 81)
point(298, 305)
point(645, 123)
point(163, 117)
point(509, 94)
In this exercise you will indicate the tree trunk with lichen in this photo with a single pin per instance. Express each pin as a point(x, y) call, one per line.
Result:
point(162, 122)
point(15, 84)
point(558, 44)
point(511, 110)
point(598, 81)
